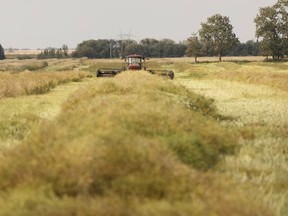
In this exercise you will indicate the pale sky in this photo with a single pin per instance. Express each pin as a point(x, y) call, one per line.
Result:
point(52, 23)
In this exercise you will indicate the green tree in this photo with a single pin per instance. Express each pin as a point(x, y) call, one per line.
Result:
point(127, 47)
point(217, 35)
point(194, 46)
point(149, 47)
point(268, 31)
point(250, 48)
point(93, 49)
point(65, 50)
point(166, 48)
point(2, 53)
point(272, 29)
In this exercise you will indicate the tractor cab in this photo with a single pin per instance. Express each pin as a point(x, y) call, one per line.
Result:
point(135, 62)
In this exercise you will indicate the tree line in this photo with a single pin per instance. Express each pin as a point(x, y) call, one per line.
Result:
point(2, 53)
point(214, 38)
point(149, 47)
point(50, 52)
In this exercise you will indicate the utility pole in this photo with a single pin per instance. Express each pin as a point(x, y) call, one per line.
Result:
point(124, 37)
point(110, 49)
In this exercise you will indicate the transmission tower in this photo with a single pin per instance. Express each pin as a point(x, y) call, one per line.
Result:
point(125, 36)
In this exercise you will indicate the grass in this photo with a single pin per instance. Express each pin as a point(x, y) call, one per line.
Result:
point(28, 83)
point(269, 74)
point(20, 114)
point(140, 141)
point(255, 96)
point(132, 145)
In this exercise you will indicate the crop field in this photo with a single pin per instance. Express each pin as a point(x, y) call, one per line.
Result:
point(255, 97)
point(213, 141)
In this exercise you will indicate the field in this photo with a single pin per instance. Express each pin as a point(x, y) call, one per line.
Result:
point(213, 141)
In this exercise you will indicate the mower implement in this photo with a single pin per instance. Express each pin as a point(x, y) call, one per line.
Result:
point(108, 72)
point(135, 63)
point(164, 73)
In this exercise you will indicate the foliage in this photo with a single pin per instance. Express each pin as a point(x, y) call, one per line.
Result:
point(217, 35)
point(93, 49)
point(54, 53)
point(126, 47)
point(271, 27)
point(194, 46)
point(2, 53)
point(111, 48)
point(24, 57)
point(250, 48)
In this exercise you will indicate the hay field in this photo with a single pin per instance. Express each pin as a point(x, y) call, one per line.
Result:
point(138, 144)
point(255, 97)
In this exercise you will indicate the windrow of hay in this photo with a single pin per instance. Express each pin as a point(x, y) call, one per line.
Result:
point(132, 145)
point(270, 74)
point(260, 114)
point(19, 114)
point(27, 83)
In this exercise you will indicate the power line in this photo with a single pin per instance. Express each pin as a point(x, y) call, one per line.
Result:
point(125, 36)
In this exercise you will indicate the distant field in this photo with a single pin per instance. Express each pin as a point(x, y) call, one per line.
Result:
point(210, 142)
point(26, 52)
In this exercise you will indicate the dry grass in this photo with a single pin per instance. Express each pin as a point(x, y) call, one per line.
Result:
point(270, 74)
point(19, 114)
point(27, 83)
point(139, 145)
point(255, 96)
point(132, 145)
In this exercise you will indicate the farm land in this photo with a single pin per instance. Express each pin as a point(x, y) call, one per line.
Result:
point(213, 141)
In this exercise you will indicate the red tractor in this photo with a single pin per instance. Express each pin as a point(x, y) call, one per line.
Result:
point(135, 63)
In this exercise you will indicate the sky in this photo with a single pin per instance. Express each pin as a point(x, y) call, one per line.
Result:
point(51, 23)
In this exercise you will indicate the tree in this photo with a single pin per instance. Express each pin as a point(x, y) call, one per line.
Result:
point(149, 47)
point(217, 35)
point(2, 53)
point(166, 48)
point(65, 50)
point(126, 47)
point(272, 29)
point(250, 48)
point(93, 49)
point(194, 46)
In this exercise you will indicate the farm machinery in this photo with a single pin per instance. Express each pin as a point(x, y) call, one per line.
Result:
point(135, 63)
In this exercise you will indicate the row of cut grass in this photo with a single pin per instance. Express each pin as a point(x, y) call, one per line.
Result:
point(270, 74)
point(27, 83)
point(19, 114)
point(259, 113)
point(124, 146)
